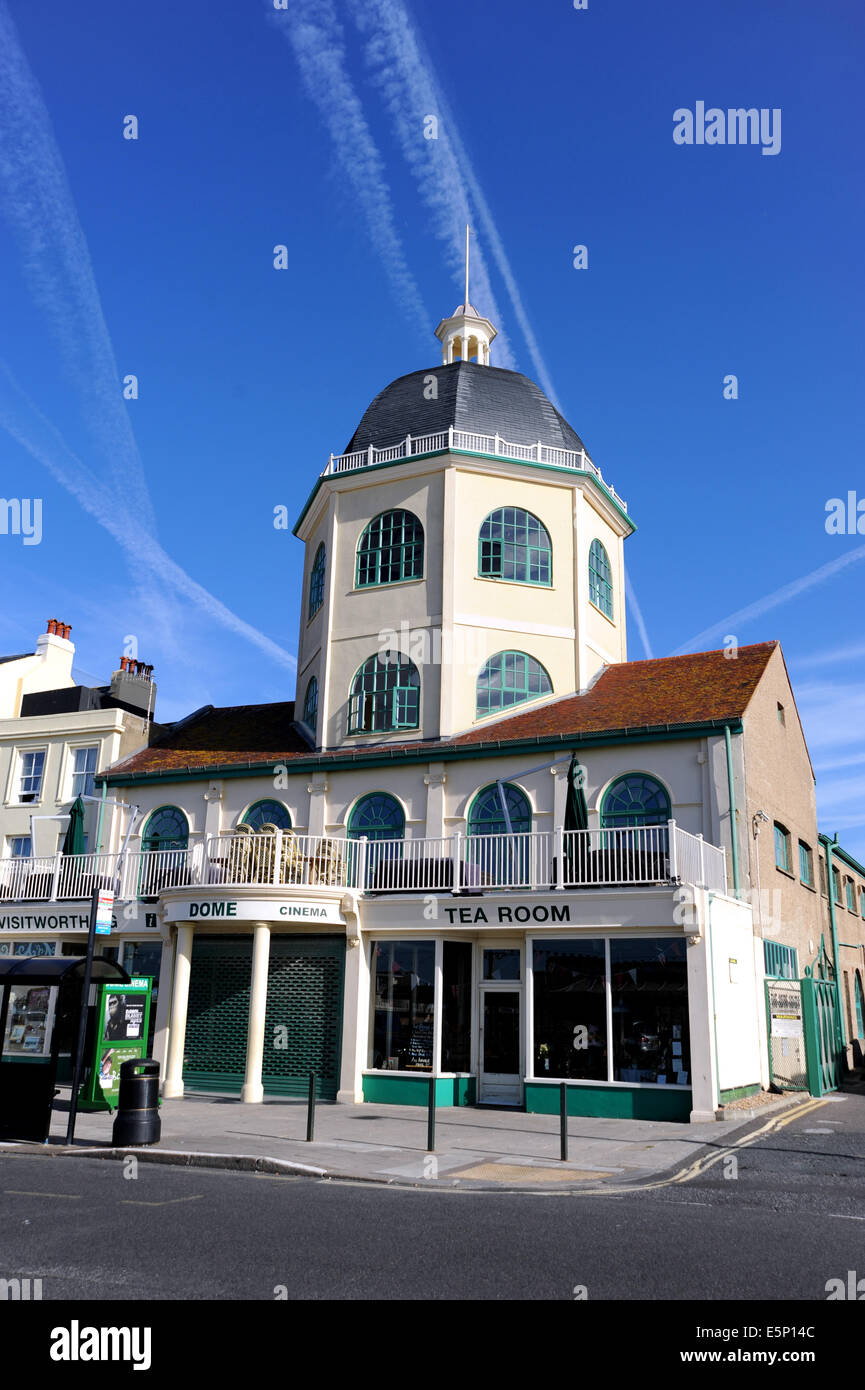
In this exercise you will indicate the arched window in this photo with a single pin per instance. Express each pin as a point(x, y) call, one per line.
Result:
point(513, 544)
point(310, 703)
point(860, 1007)
point(267, 813)
point(164, 842)
point(385, 695)
point(507, 679)
point(635, 799)
point(316, 581)
point(600, 578)
point(378, 816)
point(498, 852)
point(167, 828)
point(390, 549)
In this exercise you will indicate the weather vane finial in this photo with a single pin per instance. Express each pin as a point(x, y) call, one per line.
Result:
point(466, 300)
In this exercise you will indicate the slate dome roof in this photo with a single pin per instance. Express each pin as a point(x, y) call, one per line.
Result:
point(470, 397)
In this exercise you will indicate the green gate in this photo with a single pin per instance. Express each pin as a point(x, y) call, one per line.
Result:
point(822, 1044)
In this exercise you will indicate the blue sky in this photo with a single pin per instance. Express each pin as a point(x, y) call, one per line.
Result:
point(304, 128)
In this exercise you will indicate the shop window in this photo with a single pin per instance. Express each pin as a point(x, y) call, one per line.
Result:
point(403, 993)
point(782, 848)
point(509, 678)
point(32, 770)
point(456, 1005)
point(570, 1010)
point(806, 865)
point(83, 771)
point(267, 813)
point(390, 550)
point(513, 544)
point(316, 581)
point(649, 983)
point(310, 704)
point(385, 695)
point(600, 579)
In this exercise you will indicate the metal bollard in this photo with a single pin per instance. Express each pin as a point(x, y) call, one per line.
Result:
point(563, 1119)
point(137, 1120)
point(431, 1117)
point(310, 1109)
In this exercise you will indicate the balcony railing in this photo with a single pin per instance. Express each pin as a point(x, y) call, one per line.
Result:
point(561, 860)
point(471, 443)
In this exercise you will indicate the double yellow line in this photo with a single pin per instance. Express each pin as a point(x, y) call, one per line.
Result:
point(702, 1165)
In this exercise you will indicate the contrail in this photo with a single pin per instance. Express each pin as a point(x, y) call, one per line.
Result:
point(146, 553)
point(774, 600)
point(39, 205)
point(638, 614)
point(405, 74)
point(315, 34)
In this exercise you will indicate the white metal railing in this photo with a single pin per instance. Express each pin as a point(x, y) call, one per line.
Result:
point(560, 859)
point(474, 443)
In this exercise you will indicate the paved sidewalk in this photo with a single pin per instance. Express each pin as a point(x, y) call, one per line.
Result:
point(387, 1143)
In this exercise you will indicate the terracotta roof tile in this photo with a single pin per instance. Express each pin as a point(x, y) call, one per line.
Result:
point(633, 695)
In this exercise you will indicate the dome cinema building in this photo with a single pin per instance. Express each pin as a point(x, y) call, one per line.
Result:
point(480, 845)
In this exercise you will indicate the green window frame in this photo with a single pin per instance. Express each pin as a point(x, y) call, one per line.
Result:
point(780, 962)
point(860, 1005)
point(782, 848)
point(806, 864)
point(316, 581)
point(836, 888)
point(167, 828)
point(862, 902)
point(509, 678)
point(385, 695)
point(635, 799)
point(600, 579)
point(514, 544)
point(850, 895)
point(486, 815)
point(378, 816)
point(267, 813)
point(390, 550)
point(310, 703)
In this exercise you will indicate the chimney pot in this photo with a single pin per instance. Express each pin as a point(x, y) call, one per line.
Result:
point(124, 661)
point(52, 625)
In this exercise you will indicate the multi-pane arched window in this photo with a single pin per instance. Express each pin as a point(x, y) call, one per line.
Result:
point(167, 828)
point(634, 800)
point(390, 549)
point(507, 679)
point(267, 813)
point(385, 695)
point(498, 851)
point(600, 578)
point(164, 842)
point(514, 544)
point(316, 581)
point(379, 817)
point(310, 703)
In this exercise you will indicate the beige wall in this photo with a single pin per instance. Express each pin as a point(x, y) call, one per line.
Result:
point(451, 621)
point(779, 781)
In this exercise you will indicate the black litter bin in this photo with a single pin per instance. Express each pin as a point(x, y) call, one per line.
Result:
point(137, 1120)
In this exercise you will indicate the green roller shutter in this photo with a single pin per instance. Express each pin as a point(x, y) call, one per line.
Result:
point(303, 1020)
point(303, 1023)
point(214, 1057)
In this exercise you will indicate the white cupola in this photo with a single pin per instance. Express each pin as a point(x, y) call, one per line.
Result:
point(466, 335)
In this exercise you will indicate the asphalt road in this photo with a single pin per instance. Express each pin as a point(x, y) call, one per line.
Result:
point(777, 1224)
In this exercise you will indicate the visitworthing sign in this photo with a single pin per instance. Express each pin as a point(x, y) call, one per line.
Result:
point(293, 910)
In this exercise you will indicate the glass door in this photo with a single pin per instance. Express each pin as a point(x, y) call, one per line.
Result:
point(500, 1069)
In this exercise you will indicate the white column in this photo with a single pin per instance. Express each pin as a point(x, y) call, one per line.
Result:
point(172, 1086)
point(161, 1031)
point(701, 1017)
point(355, 1013)
point(252, 1090)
